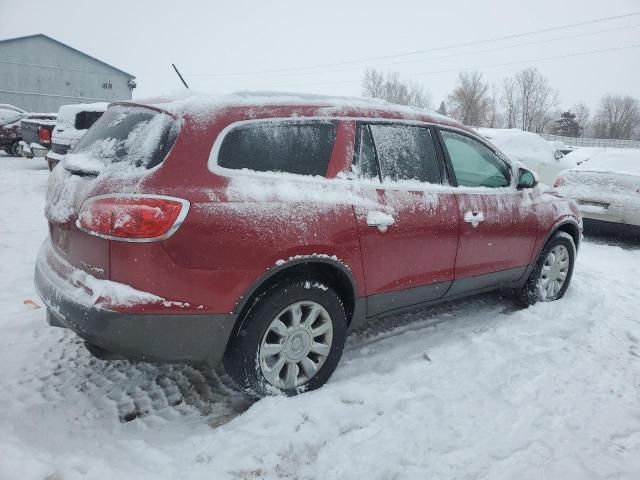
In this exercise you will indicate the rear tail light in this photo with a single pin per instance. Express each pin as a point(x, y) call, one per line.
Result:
point(132, 218)
point(44, 135)
point(558, 183)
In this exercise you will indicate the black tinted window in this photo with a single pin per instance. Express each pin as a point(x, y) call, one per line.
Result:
point(302, 148)
point(365, 163)
point(84, 120)
point(406, 153)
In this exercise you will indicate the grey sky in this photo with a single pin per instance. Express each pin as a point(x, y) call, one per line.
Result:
point(215, 37)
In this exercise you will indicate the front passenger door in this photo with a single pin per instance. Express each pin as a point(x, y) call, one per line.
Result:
point(498, 224)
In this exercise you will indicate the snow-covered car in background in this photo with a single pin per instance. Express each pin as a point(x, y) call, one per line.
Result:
point(10, 136)
point(562, 147)
point(72, 123)
point(584, 154)
point(36, 134)
point(530, 149)
point(606, 189)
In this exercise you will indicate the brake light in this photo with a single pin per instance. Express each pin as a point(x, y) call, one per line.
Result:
point(133, 218)
point(558, 183)
point(44, 135)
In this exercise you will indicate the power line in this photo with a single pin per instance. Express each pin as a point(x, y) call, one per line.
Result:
point(426, 50)
point(440, 57)
point(435, 72)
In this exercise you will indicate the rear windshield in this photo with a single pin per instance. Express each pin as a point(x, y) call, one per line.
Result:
point(303, 148)
point(127, 137)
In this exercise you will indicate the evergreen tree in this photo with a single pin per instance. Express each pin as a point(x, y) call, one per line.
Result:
point(567, 125)
point(443, 109)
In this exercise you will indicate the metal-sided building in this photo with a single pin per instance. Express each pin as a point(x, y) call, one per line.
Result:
point(39, 74)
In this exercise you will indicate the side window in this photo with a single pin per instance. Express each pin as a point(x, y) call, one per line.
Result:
point(303, 148)
point(473, 163)
point(364, 162)
point(406, 153)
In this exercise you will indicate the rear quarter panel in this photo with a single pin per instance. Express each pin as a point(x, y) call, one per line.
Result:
point(239, 226)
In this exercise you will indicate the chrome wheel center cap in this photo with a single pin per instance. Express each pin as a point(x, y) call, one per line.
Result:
point(298, 344)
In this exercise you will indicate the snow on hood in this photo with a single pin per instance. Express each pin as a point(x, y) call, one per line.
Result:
point(527, 147)
point(582, 154)
point(613, 160)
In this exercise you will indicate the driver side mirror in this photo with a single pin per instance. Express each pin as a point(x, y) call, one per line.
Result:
point(526, 179)
point(558, 154)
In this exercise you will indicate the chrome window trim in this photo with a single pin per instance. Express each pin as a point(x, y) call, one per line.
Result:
point(213, 167)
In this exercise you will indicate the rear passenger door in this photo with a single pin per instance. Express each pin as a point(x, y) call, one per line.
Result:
point(498, 224)
point(408, 228)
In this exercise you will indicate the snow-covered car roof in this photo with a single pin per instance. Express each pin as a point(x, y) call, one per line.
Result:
point(201, 104)
point(613, 160)
point(73, 109)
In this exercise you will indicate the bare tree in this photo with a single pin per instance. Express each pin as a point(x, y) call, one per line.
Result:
point(535, 99)
point(509, 102)
point(617, 117)
point(469, 102)
point(494, 118)
point(388, 86)
point(582, 116)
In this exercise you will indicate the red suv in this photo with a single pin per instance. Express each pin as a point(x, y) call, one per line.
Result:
point(258, 230)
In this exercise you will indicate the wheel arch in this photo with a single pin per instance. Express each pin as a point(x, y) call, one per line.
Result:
point(324, 269)
point(569, 226)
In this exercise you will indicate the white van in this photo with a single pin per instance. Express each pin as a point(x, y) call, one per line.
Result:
point(73, 122)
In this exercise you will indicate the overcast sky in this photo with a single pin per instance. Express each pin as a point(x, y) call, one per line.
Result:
point(209, 40)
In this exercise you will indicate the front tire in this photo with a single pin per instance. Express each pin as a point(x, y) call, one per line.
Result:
point(290, 340)
point(552, 274)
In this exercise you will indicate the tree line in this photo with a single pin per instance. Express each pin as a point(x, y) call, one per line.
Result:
point(524, 100)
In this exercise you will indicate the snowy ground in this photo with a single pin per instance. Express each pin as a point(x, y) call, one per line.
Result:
point(477, 389)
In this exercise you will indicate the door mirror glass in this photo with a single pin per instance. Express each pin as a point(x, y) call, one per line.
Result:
point(526, 179)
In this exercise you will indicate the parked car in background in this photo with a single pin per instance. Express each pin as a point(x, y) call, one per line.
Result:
point(560, 146)
point(72, 123)
point(256, 230)
point(531, 149)
point(583, 154)
point(36, 134)
point(10, 136)
point(606, 189)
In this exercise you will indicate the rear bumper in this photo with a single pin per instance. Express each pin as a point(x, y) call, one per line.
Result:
point(166, 338)
point(38, 150)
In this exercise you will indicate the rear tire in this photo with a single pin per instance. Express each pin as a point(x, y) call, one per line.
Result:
point(552, 274)
point(290, 340)
point(15, 149)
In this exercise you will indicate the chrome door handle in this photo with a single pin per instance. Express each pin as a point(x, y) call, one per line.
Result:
point(380, 220)
point(474, 218)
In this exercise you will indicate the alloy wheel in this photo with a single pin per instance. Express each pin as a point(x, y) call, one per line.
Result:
point(296, 344)
point(554, 272)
